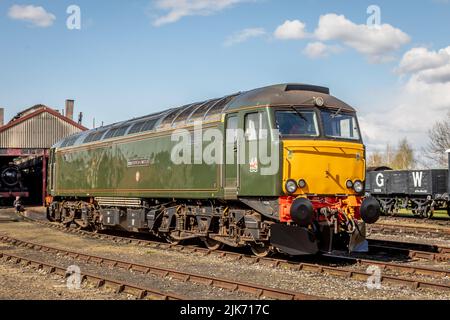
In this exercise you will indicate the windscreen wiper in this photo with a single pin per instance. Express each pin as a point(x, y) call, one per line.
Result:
point(334, 115)
point(299, 114)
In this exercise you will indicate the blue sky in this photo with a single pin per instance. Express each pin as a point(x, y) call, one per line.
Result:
point(132, 58)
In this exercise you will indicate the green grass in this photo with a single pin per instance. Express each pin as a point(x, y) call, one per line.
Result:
point(438, 214)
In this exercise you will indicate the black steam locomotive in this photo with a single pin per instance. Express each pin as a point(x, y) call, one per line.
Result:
point(11, 182)
point(421, 191)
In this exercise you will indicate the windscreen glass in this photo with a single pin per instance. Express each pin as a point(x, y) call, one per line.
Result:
point(297, 123)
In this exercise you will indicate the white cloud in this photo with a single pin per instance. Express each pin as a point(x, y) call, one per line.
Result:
point(425, 65)
point(291, 30)
point(437, 75)
point(377, 43)
point(418, 103)
point(38, 16)
point(418, 59)
point(244, 35)
point(178, 9)
point(315, 50)
point(413, 110)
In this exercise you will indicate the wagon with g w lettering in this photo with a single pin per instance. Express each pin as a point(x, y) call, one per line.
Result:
point(421, 191)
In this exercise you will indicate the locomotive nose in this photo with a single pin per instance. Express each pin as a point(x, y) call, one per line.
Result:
point(370, 210)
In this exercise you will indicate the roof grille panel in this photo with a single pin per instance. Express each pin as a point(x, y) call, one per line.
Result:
point(137, 127)
point(200, 112)
point(94, 136)
point(148, 125)
point(219, 106)
point(170, 116)
point(69, 141)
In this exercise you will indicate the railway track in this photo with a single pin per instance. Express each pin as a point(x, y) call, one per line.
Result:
point(99, 281)
point(231, 285)
point(441, 222)
point(301, 266)
point(396, 229)
point(440, 254)
point(412, 250)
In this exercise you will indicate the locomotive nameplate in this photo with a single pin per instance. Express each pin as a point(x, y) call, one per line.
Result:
point(138, 163)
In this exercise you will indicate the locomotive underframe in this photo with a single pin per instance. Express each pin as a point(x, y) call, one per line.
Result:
point(215, 222)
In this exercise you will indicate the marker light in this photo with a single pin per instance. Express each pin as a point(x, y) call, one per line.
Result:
point(349, 184)
point(302, 183)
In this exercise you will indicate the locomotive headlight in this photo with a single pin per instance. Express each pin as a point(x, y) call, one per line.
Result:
point(302, 183)
point(349, 184)
point(358, 186)
point(291, 186)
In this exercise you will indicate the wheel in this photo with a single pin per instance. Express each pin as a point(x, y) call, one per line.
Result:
point(261, 250)
point(417, 212)
point(213, 245)
point(429, 212)
point(390, 210)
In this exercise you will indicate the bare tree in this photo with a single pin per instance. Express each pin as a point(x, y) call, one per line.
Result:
point(439, 142)
point(404, 156)
point(389, 155)
point(376, 159)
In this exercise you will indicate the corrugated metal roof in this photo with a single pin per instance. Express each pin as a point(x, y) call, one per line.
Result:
point(37, 130)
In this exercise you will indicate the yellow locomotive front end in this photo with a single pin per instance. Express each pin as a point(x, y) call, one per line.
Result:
point(323, 176)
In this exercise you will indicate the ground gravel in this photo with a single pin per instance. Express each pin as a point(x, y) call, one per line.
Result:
point(305, 282)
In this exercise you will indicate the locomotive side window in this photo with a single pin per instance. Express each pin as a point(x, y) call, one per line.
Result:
point(232, 127)
point(297, 123)
point(255, 126)
point(339, 125)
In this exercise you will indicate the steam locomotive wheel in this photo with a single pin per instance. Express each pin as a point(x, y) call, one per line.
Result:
point(212, 245)
point(261, 250)
point(10, 176)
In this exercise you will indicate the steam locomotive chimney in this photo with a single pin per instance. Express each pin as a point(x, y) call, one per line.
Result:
point(69, 108)
point(2, 117)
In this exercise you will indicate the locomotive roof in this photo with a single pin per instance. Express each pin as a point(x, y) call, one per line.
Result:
point(295, 94)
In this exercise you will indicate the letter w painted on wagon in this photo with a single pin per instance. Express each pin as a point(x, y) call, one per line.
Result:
point(417, 178)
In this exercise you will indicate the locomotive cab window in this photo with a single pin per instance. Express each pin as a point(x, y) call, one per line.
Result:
point(232, 130)
point(340, 125)
point(297, 123)
point(255, 126)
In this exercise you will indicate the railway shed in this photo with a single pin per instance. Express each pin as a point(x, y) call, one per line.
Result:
point(24, 145)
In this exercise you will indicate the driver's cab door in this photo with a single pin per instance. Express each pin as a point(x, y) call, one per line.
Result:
point(231, 155)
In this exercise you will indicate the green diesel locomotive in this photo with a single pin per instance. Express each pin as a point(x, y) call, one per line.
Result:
point(279, 168)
